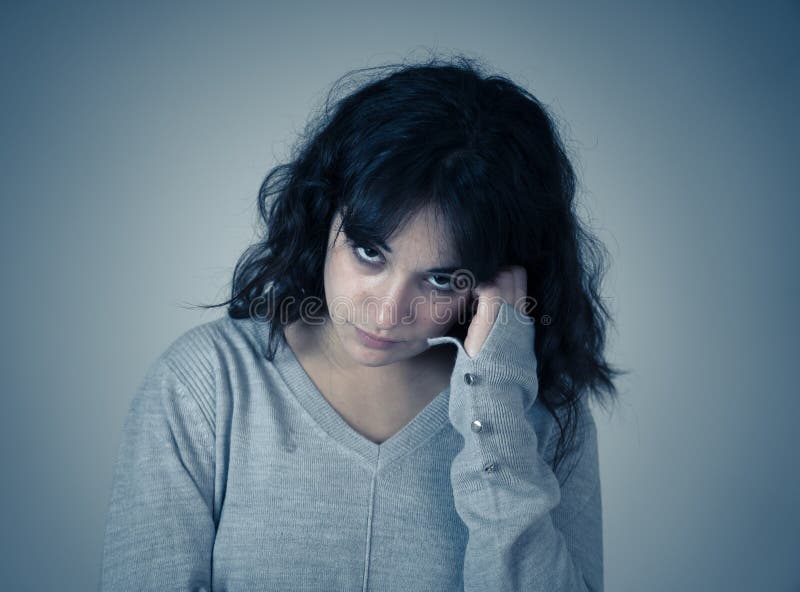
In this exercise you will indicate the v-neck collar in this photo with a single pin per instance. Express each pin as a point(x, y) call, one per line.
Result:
point(426, 423)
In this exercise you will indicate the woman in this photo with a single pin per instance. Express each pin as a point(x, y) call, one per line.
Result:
point(324, 435)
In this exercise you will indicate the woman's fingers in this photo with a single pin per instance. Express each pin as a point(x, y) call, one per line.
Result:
point(509, 285)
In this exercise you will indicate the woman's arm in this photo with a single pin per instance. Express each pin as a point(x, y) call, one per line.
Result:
point(525, 532)
point(160, 528)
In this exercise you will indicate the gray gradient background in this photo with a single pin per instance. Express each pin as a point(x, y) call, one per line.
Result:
point(134, 142)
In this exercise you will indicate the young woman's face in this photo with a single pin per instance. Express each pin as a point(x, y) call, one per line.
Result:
point(402, 295)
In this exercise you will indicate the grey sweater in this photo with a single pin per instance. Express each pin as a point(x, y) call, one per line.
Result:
point(235, 473)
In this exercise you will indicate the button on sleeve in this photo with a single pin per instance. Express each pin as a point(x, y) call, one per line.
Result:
point(503, 489)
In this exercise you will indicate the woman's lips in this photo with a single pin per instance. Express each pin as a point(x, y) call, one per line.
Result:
point(374, 341)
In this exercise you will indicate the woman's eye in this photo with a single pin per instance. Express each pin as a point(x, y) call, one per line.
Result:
point(367, 254)
point(442, 283)
point(370, 256)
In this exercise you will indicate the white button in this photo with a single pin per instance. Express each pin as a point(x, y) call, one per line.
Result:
point(477, 426)
point(490, 468)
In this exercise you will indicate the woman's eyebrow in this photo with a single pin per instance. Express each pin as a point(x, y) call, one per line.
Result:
point(442, 270)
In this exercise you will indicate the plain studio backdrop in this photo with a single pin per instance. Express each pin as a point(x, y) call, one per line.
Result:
point(134, 141)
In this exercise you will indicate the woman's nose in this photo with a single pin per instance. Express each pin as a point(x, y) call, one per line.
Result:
point(392, 305)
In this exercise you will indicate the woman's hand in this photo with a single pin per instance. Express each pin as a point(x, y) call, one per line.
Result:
point(509, 285)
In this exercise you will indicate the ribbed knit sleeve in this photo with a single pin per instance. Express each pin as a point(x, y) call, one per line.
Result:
point(160, 529)
point(525, 531)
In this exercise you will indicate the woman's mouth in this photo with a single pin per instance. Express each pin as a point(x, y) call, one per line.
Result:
point(374, 341)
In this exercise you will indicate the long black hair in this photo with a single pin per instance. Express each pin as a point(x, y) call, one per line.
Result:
point(486, 154)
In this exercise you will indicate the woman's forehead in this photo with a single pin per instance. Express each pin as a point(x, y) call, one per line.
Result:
point(423, 241)
point(423, 246)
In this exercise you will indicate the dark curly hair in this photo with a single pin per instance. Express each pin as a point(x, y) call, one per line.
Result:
point(486, 154)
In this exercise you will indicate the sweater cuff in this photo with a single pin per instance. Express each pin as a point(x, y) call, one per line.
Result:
point(506, 359)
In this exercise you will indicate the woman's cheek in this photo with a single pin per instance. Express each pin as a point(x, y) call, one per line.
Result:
point(444, 311)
